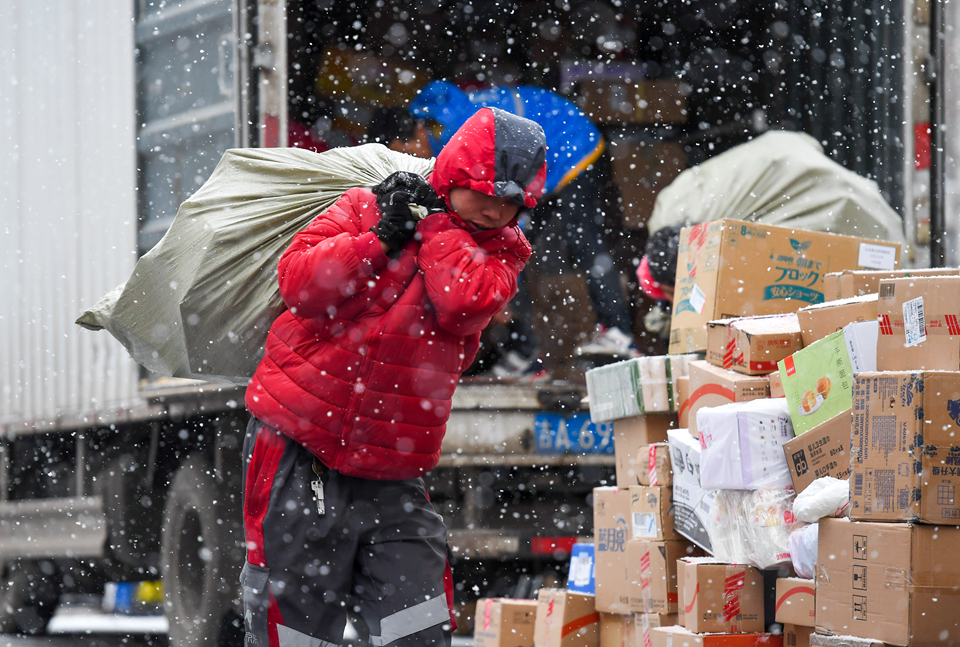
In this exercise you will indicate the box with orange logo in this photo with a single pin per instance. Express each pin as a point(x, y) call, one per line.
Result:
point(796, 601)
point(721, 598)
point(712, 386)
point(503, 622)
point(566, 619)
point(753, 345)
point(680, 637)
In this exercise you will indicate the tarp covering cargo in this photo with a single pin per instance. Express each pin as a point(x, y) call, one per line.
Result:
point(780, 178)
point(200, 303)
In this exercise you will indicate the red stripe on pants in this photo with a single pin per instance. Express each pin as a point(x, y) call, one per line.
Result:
point(267, 451)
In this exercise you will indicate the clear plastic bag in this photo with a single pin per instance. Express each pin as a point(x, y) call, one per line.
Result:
point(803, 550)
point(752, 526)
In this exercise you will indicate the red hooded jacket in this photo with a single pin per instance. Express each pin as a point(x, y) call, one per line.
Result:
point(362, 366)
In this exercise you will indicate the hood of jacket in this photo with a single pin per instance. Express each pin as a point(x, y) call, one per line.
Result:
point(495, 153)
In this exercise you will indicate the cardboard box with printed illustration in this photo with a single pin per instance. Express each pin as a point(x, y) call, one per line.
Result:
point(753, 345)
point(504, 622)
point(711, 386)
point(919, 324)
point(729, 268)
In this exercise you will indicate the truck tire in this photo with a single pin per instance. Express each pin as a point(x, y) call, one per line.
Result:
point(28, 596)
point(192, 558)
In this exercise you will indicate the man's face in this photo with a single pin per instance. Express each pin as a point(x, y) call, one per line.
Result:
point(418, 145)
point(482, 210)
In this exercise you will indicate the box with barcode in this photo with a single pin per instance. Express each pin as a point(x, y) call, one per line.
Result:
point(919, 324)
point(731, 268)
point(651, 513)
point(905, 447)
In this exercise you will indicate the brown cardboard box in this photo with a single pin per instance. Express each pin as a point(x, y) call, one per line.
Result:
point(818, 321)
point(640, 169)
point(630, 434)
point(729, 268)
point(566, 619)
point(611, 530)
point(657, 458)
point(905, 447)
point(654, 588)
point(616, 630)
point(503, 622)
point(640, 102)
point(796, 635)
point(825, 640)
point(776, 385)
point(644, 622)
point(711, 386)
point(854, 283)
point(721, 598)
point(683, 394)
point(753, 345)
point(651, 513)
point(795, 601)
point(938, 347)
point(822, 451)
point(680, 637)
point(892, 582)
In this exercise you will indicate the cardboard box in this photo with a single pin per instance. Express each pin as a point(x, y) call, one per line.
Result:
point(711, 386)
point(581, 576)
point(640, 169)
point(683, 395)
point(657, 458)
point(818, 380)
point(822, 451)
point(616, 630)
point(503, 622)
point(919, 326)
point(629, 435)
point(680, 637)
point(905, 447)
point(796, 635)
point(818, 321)
point(566, 619)
point(639, 102)
point(644, 622)
point(611, 530)
point(651, 513)
point(729, 268)
point(776, 385)
point(851, 283)
point(753, 345)
point(635, 386)
point(721, 598)
point(654, 590)
point(692, 504)
point(892, 582)
point(825, 640)
point(795, 601)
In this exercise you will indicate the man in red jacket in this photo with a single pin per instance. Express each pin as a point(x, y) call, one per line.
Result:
point(351, 400)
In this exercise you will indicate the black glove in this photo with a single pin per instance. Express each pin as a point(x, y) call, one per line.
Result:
point(394, 196)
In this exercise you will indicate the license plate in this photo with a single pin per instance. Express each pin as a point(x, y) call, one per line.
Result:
point(573, 434)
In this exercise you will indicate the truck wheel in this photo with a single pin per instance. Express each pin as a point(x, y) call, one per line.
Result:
point(29, 592)
point(192, 557)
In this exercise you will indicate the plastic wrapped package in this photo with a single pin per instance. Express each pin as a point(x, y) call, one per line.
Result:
point(752, 526)
point(803, 549)
point(743, 445)
point(636, 386)
point(825, 497)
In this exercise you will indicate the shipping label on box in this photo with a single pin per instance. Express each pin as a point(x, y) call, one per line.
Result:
point(721, 598)
point(630, 434)
point(504, 622)
point(905, 447)
point(566, 619)
point(818, 382)
point(795, 601)
point(655, 587)
point(753, 345)
point(657, 459)
point(896, 583)
point(635, 386)
point(711, 386)
point(818, 321)
point(854, 283)
point(919, 326)
point(822, 451)
point(651, 513)
point(581, 577)
point(611, 530)
point(692, 505)
point(729, 268)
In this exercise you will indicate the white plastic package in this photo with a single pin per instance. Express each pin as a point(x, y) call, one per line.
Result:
point(635, 386)
point(752, 526)
point(743, 445)
point(803, 550)
point(825, 497)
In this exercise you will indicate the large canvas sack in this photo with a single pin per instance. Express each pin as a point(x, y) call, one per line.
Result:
point(200, 303)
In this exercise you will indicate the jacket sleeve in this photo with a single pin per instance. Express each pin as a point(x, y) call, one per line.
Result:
point(466, 284)
point(330, 260)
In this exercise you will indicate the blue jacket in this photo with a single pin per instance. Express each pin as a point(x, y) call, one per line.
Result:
point(573, 142)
